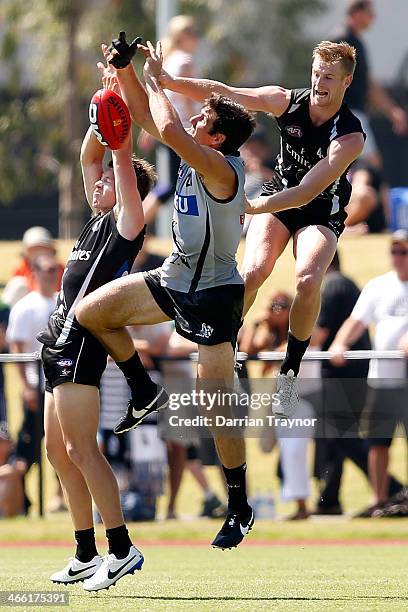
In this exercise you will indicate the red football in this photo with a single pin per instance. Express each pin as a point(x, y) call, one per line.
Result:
point(110, 118)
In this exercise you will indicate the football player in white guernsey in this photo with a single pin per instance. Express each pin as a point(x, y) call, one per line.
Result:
point(74, 361)
point(309, 178)
point(206, 306)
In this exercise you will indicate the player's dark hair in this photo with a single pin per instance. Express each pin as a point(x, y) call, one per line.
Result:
point(232, 120)
point(145, 173)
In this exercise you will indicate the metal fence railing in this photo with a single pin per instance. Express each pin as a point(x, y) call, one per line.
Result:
point(241, 356)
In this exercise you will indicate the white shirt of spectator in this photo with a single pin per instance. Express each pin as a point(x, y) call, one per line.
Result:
point(27, 318)
point(384, 303)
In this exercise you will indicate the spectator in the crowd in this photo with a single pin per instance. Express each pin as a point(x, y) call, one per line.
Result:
point(257, 156)
point(27, 318)
point(365, 92)
point(383, 303)
point(344, 393)
point(179, 45)
point(36, 241)
point(269, 333)
point(11, 485)
point(368, 209)
point(4, 317)
point(269, 330)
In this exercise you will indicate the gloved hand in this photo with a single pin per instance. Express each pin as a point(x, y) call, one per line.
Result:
point(121, 53)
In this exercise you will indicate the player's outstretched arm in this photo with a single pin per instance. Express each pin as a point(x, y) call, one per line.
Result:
point(128, 208)
point(341, 153)
point(210, 164)
point(91, 157)
point(119, 55)
point(269, 99)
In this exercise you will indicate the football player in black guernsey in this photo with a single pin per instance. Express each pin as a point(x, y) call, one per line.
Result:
point(320, 138)
point(74, 361)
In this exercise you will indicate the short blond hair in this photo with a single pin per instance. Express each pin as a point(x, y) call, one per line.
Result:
point(337, 52)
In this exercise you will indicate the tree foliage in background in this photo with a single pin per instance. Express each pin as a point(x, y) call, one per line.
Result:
point(258, 42)
point(48, 54)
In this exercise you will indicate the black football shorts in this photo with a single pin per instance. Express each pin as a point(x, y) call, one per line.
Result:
point(81, 360)
point(313, 213)
point(209, 316)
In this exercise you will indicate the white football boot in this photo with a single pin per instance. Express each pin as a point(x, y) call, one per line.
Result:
point(76, 570)
point(113, 568)
point(287, 390)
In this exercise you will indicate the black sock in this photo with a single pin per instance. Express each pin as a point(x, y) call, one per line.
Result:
point(294, 354)
point(119, 541)
point(137, 378)
point(237, 498)
point(86, 545)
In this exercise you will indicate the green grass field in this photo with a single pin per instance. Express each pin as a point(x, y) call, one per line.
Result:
point(296, 577)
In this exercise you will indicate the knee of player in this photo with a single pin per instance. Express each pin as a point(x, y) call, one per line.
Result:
point(56, 454)
point(80, 453)
point(308, 285)
point(255, 277)
point(85, 314)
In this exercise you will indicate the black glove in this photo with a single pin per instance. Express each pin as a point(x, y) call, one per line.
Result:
point(124, 51)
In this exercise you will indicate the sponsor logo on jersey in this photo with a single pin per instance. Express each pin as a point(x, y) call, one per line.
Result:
point(65, 372)
point(65, 362)
point(294, 130)
point(242, 219)
point(186, 204)
point(206, 331)
point(79, 255)
point(299, 157)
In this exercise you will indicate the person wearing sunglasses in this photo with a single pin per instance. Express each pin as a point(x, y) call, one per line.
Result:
point(383, 303)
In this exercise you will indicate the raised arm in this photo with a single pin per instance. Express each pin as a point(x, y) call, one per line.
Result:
point(128, 208)
point(341, 153)
point(91, 157)
point(119, 56)
point(269, 99)
point(210, 163)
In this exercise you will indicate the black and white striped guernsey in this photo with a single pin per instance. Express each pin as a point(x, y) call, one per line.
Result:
point(304, 144)
point(99, 255)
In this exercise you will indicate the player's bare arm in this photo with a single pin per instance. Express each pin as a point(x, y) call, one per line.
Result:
point(91, 157)
point(212, 166)
point(128, 209)
point(269, 99)
point(341, 153)
point(133, 91)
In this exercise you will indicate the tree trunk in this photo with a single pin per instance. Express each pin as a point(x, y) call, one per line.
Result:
point(70, 199)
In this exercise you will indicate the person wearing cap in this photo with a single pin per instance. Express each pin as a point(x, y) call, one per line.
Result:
point(36, 241)
point(383, 303)
point(365, 91)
